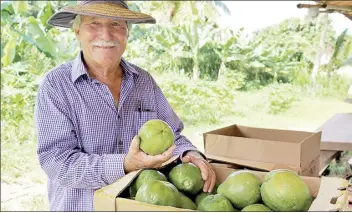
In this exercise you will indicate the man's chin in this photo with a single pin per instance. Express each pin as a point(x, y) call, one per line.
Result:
point(108, 63)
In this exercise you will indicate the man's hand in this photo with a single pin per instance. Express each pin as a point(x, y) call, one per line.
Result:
point(207, 171)
point(137, 159)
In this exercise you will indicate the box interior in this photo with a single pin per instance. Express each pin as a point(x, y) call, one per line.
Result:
point(278, 135)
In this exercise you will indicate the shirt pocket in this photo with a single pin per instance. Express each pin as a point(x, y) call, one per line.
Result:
point(141, 117)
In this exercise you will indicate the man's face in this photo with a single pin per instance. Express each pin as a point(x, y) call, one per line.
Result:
point(103, 41)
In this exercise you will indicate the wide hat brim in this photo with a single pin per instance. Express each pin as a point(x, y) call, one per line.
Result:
point(65, 16)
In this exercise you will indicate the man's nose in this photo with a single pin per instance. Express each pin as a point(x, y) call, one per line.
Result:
point(106, 33)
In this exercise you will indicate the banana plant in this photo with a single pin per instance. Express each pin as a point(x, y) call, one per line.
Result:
point(166, 42)
point(342, 50)
point(26, 24)
point(225, 48)
point(194, 36)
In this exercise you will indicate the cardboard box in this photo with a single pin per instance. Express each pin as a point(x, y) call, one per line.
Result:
point(265, 149)
point(326, 191)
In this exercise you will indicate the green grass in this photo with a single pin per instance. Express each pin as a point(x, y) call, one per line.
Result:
point(304, 114)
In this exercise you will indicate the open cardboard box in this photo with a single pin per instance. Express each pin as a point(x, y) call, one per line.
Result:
point(265, 149)
point(329, 193)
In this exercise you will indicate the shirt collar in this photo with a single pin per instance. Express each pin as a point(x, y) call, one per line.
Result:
point(79, 69)
point(126, 66)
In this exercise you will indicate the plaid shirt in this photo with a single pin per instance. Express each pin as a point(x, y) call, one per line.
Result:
point(83, 138)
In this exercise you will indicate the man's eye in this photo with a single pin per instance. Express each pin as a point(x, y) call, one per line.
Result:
point(95, 23)
point(116, 24)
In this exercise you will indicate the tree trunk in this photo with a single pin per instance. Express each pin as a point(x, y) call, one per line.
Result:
point(222, 68)
point(196, 71)
point(321, 46)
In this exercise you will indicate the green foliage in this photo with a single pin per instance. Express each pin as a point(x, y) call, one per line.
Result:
point(196, 102)
point(340, 167)
point(342, 50)
point(330, 85)
point(281, 97)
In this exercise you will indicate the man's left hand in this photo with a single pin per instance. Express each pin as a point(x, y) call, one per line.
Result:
point(207, 171)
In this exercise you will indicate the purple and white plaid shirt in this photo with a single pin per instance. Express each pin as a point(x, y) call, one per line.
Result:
point(83, 138)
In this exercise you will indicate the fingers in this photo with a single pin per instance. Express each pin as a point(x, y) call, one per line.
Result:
point(186, 159)
point(161, 158)
point(213, 181)
point(157, 160)
point(202, 166)
point(210, 183)
point(168, 153)
point(208, 175)
point(134, 147)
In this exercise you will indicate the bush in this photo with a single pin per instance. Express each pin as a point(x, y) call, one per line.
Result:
point(201, 102)
point(281, 97)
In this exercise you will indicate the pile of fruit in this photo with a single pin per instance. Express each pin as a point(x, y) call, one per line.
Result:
point(181, 186)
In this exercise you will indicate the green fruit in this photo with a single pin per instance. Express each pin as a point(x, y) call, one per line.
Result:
point(155, 137)
point(215, 203)
point(160, 193)
point(186, 202)
point(285, 191)
point(241, 188)
point(202, 195)
point(147, 175)
point(186, 177)
point(256, 208)
point(270, 174)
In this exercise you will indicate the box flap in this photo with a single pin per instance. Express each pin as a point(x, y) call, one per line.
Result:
point(104, 198)
point(310, 149)
point(328, 190)
point(252, 164)
point(253, 149)
point(292, 136)
point(232, 130)
point(312, 169)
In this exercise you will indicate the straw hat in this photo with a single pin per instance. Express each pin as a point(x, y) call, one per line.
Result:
point(117, 10)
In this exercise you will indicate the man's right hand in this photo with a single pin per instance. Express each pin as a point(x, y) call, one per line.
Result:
point(137, 159)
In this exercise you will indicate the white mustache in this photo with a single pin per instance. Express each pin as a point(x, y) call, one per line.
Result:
point(102, 43)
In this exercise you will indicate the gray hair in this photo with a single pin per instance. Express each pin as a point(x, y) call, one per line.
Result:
point(76, 23)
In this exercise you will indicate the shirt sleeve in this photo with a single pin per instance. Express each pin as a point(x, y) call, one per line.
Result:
point(59, 152)
point(167, 114)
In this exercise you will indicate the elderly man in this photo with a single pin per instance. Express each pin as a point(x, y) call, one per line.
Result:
point(89, 110)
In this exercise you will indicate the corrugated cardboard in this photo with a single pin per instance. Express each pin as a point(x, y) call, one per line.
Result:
point(323, 189)
point(265, 149)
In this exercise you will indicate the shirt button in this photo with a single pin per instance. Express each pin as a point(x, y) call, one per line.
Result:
point(118, 116)
point(120, 143)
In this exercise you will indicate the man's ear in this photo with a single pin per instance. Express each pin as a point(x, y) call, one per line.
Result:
point(76, 32)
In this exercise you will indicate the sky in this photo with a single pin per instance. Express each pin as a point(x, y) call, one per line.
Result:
point(254, 15)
